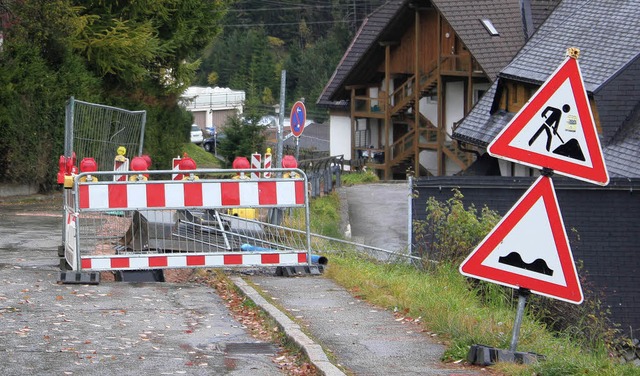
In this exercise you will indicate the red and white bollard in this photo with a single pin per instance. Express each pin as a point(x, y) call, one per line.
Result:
point(120, 164)
point(267, 163)
point(255, 165)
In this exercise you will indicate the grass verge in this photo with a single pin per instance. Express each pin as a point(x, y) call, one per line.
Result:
point(446, 303)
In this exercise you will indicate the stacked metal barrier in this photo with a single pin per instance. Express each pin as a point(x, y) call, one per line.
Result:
point(160, 224)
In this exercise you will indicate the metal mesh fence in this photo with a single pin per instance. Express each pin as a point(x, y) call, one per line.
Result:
point(95, 130)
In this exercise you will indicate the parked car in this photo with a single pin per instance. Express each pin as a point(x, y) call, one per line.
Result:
point(196, 134)
point(211, 143)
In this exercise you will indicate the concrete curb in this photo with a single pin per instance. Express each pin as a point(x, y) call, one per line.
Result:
point(314, 352)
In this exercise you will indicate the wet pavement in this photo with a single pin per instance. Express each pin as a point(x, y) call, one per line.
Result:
point(170, 328)
point(363, 339)
point(113, 328)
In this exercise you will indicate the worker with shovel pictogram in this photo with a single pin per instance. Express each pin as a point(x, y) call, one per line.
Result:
point(552, 118)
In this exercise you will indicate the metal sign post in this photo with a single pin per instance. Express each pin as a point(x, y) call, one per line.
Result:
point(522, 301)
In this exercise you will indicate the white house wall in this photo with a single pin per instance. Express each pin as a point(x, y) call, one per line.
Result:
point(429, 109)
point(340, 134)
point(454, 100)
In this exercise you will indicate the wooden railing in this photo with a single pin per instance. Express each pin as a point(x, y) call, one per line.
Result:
point(366, 106)
point(404, 95)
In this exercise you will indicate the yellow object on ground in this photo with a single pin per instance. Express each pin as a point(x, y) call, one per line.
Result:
point(246, 213)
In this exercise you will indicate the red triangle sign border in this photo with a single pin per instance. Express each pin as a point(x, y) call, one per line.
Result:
point(501, 145)
point(473, 265)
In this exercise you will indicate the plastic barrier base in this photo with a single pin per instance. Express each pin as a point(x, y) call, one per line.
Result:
point(81, 278)
point(296, 271)
point(154, 275)
point(485, 356)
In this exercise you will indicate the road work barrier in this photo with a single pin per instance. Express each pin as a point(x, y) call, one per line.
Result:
point(153, 223)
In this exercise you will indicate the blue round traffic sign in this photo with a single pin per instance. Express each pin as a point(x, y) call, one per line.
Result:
point(298, 118)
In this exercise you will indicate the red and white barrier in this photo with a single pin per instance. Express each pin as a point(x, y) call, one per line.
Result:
point(104, 229)
point(218, 194)
point(193, 260)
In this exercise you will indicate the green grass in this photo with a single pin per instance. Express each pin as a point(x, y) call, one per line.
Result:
point(446, 304)
point(203, 158)
point(354, 178)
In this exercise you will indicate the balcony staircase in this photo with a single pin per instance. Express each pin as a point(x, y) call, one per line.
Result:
point(422, 131)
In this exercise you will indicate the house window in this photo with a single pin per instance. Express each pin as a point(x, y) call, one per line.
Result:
point(488, 25)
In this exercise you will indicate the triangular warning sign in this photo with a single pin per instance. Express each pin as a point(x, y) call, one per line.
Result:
point(556, 130)
point(529, 248)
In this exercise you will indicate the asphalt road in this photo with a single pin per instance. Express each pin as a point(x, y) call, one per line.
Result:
point(113, 328)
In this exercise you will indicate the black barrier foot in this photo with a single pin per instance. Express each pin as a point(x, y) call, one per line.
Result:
point(154, 275)
point(297, 271)
point(79, 278)
point(485, 356)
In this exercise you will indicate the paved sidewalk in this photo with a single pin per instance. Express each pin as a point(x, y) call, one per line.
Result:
point(361, 338)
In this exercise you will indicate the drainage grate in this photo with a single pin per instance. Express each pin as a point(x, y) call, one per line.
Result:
point(250, 348)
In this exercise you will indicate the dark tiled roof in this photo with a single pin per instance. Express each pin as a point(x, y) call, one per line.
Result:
point(622, 154)
point(491, 52)
point(608, 35)
point(540, 10)
point(363, 48)
point(479, 127)
point(607, 32)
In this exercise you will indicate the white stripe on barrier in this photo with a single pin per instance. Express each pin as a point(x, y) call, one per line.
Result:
point(213, 198)
point(285, 193)
point(250, 193)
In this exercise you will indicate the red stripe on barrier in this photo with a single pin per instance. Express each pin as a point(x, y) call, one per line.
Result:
point(158, 261)
point(155, 196)
point(121, 262)
point(83, 196)
point(195, 260)
point(118, 196)
point(230, 194)
point(85, 263)
point(232, 259)
point(267, 193)
point(272, 258)
point(300, 192)
point(302, 257)
point(192, 194)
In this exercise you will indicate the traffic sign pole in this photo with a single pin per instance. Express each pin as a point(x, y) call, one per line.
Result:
point(522, 301)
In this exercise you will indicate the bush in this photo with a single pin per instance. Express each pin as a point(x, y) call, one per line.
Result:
point(450, 232)
point(360, 177)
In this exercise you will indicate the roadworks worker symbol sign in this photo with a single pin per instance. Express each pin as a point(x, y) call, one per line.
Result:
point(529, 248)
point(556, 130)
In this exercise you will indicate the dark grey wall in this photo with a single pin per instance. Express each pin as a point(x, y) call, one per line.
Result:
point(607, 220)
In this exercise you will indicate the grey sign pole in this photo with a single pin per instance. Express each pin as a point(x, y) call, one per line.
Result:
point(283, 81)
point(522, 301)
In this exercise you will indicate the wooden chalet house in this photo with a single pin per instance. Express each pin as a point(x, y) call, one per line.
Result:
point(413, 71)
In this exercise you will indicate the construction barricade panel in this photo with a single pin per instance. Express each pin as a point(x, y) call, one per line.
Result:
point(159, 224)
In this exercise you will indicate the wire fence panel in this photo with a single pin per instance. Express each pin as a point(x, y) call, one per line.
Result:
point(158, 224)
point(95, 130)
